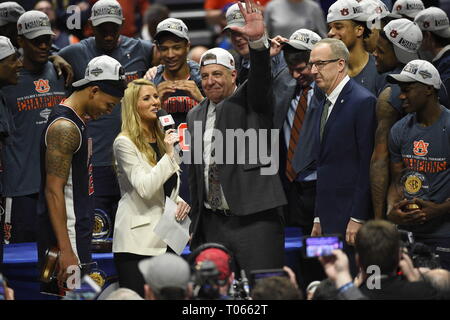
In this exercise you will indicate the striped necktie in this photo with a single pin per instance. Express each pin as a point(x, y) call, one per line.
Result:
point(295, 132)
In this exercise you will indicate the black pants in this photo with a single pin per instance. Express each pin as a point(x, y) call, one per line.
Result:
point(129, 275)
point(23, 224)
point(128, 271)
point(301, 203)
point(256, 241)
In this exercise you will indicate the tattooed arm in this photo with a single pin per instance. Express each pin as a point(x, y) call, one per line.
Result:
point(63, 139)
point(379, 164)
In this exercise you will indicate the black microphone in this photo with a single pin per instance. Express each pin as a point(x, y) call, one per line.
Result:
point(167, 123)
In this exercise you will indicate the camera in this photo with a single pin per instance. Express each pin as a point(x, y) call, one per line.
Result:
point(314, 247)
point(422, 256)
point(206, 281)
point(257, 275)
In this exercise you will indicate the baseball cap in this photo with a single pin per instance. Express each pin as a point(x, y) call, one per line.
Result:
point(174, 26)
point(217, 56)
point(435, 20)
point(106, 11)
point(374, 9)
point(33, 24)
point(166, 270)
point(107, 73)
point(6, 48)
point(406, 37)
point(418, 71)
point(10, 12)
point(303, 39)
point(219, 257)
point(346, 10)
point(234, 16)
point(409, 8)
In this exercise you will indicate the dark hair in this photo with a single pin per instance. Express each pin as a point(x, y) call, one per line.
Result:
point(294, 56)
point(326, 290)
point(367, 31)
point(170, 293)
point(275, 288)
point(378, 243)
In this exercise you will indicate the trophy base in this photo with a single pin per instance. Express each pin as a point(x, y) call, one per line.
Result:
point(102, 246)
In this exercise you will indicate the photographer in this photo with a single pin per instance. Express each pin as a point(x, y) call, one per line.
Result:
point(378, 245)
point(213, 278)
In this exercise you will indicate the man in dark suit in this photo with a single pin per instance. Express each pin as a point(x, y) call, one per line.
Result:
point(345, 134)
point(296, 105)
point(235, 203)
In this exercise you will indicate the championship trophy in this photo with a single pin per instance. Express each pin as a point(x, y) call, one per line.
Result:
point(412, 185)
point(102, 231)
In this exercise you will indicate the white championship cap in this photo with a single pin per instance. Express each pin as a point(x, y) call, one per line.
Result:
point(435, 20)
point(33, 24)
point(234, 16)
point(217, 56)
point(106, 11)
point(303, 39)
point(6, 48)
point(418, 71)
point(104, 68)
point(174, 26)
point(408, 8)
point(10, 12)
point(346, 10)
point(406, 37)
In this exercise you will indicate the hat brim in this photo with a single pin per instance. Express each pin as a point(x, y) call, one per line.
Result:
point(38, 33)
point(295, 44)
point(395, 15)
point(399, 78)
point(404, 56)
point(444, 33)
point(80, 83)
point(100, 20)
point(227, 27)
point(174, 32)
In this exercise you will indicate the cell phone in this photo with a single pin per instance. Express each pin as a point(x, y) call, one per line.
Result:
point(257, 275)
point(314, 247)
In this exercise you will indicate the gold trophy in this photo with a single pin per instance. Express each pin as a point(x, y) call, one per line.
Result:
point(101, 232)
point(413, 185)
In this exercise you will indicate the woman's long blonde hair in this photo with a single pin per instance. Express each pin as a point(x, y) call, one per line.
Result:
point(131, 122)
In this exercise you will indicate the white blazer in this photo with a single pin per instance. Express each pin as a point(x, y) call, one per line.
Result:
point(142, 199)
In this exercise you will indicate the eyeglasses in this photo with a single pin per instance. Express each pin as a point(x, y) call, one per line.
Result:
point(321, 63)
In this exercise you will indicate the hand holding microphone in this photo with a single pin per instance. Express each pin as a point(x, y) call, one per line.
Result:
point(171, 139)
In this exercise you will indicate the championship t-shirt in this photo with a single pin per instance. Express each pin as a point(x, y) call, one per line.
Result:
point(426, 152)
point(30, 103)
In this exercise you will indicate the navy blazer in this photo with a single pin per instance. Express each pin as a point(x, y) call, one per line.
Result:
point(343, 186)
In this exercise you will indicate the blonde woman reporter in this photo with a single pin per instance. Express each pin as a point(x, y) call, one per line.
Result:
point(147, 173)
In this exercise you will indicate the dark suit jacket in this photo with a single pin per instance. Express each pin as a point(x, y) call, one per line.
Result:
point(343, 188)
point(246, 190)
point(306, 150)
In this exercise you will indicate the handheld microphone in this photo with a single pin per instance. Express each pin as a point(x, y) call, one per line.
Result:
point(245, 283)
point(167, 123)
point(165, 119)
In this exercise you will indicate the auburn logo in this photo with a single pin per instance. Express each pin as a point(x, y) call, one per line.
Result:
point(420, 148)
point(426, 24)
point(344, 12)
point(394, 33)
point(42, 86)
